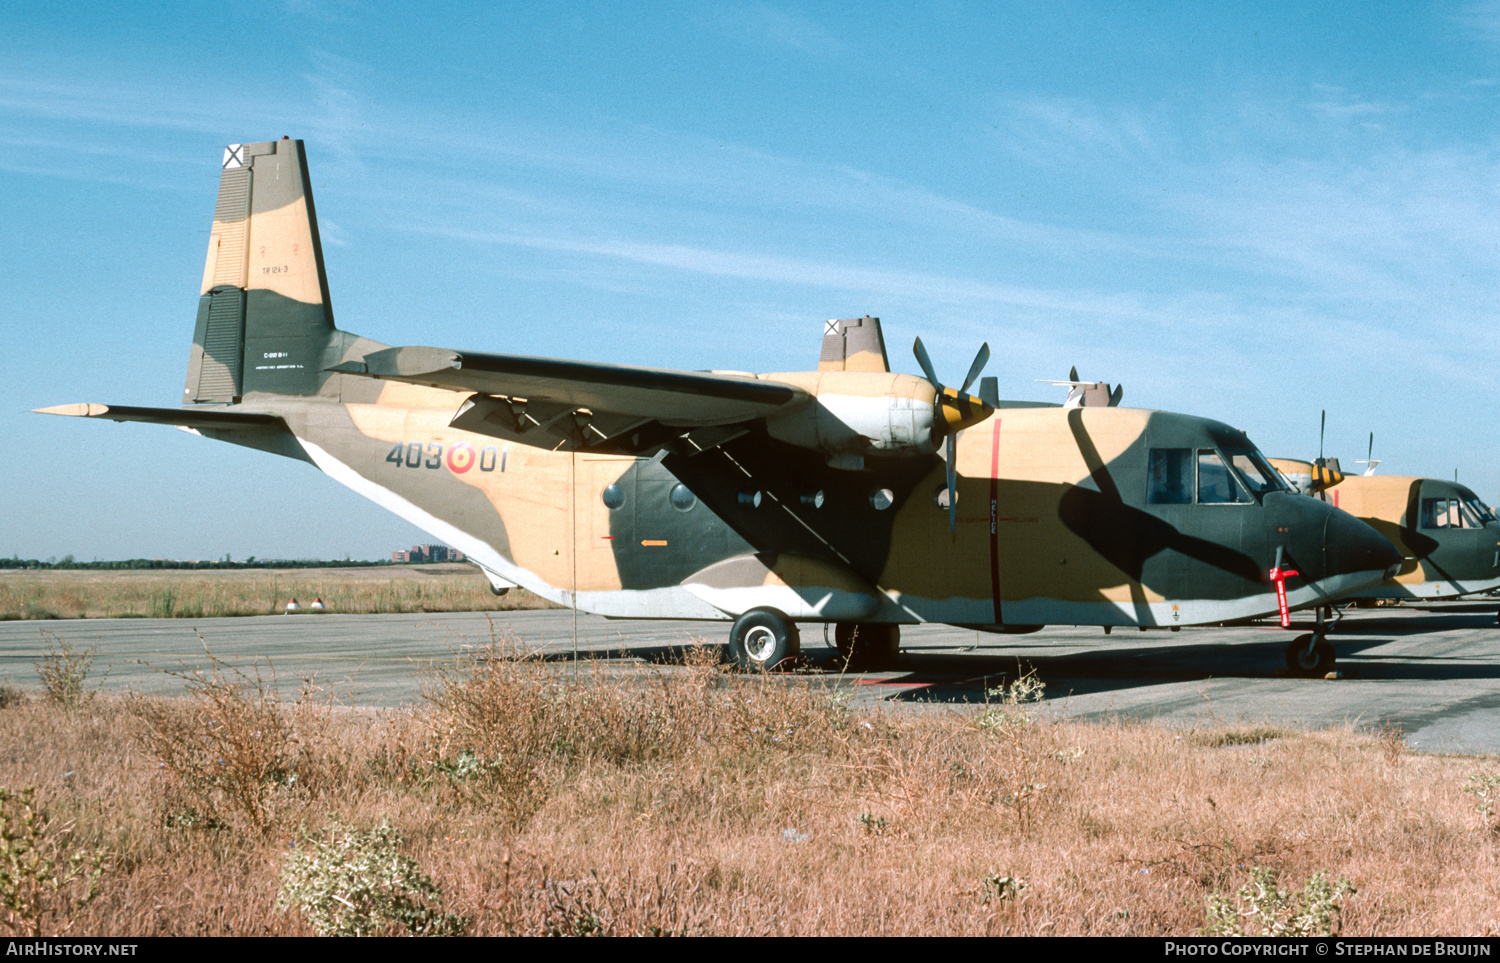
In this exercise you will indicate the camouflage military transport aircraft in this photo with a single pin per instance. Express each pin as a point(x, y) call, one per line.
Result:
point(848, 495)
point(1448, 539)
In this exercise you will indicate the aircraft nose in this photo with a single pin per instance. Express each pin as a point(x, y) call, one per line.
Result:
point(1351, 546)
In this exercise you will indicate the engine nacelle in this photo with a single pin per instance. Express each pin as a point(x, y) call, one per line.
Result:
point(859, 412)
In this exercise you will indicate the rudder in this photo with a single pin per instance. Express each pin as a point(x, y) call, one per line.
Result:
point(265, 322)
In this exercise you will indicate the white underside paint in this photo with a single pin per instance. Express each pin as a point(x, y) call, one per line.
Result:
point(1047, 611)
point(1431, 590)
point(823, 605)
point(807, 602)
point(665, 603)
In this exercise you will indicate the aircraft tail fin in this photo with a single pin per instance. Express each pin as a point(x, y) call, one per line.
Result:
point(853, 344)
point(265, 323)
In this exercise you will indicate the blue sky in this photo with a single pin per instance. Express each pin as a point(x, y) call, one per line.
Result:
point(1250, 213)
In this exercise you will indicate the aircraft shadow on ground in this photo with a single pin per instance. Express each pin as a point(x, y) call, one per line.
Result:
point(965, 677)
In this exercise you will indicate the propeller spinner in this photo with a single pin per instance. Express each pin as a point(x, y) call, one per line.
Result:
point(952, 411)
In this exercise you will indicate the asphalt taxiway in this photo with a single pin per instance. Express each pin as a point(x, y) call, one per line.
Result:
point(1433, 671)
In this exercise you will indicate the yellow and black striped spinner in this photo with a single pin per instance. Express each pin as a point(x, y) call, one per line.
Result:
point(960, 410)
point(1324, 478)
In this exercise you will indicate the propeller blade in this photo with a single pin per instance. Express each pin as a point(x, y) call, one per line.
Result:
point(1073, 373)
point(926, 363)
point(1116, 395)
point(1322, 428)
point(980, 360)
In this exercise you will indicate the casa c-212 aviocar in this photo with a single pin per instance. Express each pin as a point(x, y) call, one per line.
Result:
point(849, 495)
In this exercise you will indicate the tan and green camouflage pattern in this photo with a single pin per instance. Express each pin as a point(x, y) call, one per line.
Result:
point(645, 493)
point(1436, 563)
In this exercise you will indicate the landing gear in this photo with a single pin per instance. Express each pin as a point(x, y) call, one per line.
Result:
point(1310, 655)
point(763, 639)
point(866, 645)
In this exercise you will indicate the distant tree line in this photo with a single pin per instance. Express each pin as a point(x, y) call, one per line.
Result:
point(67, 561)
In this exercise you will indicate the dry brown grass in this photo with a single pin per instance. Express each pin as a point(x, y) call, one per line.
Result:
point(559, 799)
point(185, 593)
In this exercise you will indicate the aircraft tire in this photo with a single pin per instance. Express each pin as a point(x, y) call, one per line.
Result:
point(868, 645)
point(763, 639)
point(1315, 664)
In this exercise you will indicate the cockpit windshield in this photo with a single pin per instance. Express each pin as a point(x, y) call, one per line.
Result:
point(1255, 471)
point(1208, 476)
point(1454, 513)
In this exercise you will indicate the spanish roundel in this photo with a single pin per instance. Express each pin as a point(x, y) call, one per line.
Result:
point(461, 457)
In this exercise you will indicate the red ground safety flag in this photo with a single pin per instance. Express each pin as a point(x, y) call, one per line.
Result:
point(1279, 576)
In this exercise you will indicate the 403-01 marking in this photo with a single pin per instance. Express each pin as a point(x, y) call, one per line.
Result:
point(460, 456)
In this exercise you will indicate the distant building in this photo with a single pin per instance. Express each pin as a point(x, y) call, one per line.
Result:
point(428, 553)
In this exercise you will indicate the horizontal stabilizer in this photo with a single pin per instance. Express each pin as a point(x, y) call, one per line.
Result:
point(675, 398)
point(259, 431)
point(180, 417)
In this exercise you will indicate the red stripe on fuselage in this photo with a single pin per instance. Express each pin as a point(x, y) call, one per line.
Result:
point(995, 519)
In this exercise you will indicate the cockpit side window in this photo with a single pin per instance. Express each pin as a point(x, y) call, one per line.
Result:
point(1480, 511)
point(1170, 481)
point(1216, 484)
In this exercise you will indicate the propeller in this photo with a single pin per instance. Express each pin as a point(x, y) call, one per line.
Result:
point(1326, 473)
point(1370, 458)
point(952, 411)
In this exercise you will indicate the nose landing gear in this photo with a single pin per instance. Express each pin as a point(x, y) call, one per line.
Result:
point(1311, 654)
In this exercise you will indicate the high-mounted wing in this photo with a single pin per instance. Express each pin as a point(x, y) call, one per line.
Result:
point(578, 405)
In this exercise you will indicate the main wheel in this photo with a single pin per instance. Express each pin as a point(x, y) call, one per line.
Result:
point(867, 645)
point(1310, 655)
point(762, 639)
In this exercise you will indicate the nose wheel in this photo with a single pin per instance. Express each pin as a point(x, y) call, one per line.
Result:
point(1310, 655)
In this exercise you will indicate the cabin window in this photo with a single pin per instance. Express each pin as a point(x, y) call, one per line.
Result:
point(882, 498)
point(613, 497)
point(1171, 477)
point(682, 499)
point(940, 497)
point(1449, 513)
point(1216, 484)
